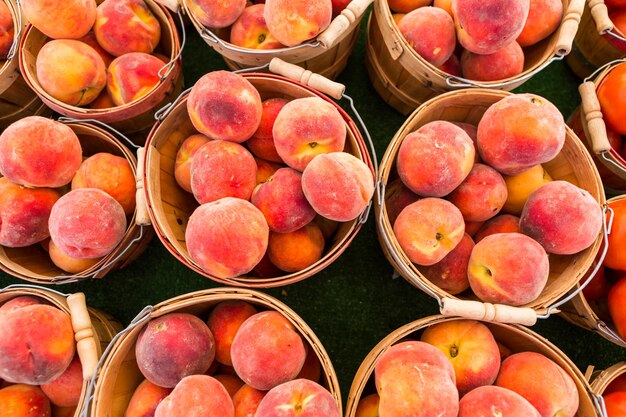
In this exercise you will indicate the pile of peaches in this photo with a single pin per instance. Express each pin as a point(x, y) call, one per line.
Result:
point(47, 191)
point(6, 30)
point(270, 176)
point(490, 34)
point(453, 181)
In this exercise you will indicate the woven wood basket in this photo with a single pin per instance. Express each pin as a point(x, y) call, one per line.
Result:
point(600, 380)
point(93, 328)
point(405, 80)
point(32, 263)
point(132, 117)
point(572, 164)
point(170, 207)
point(515, 337)
point(119, 374)
point(597, 41)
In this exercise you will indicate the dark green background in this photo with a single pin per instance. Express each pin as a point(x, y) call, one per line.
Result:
point(354, 302)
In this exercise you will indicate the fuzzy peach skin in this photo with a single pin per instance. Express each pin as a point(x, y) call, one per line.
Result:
point(504, 63)
point(544, 17)
point(338, 6)
point(232, 383)
point(328, 227)
point(68, 263)
point(184, 157)
point(472, 227)
point(216, 13)
point(452, 66)
point(265, 170)
point(247, 400)
point(563, 218)
point(495, 401)
point(397, 197)
point(292, 22)
point(261, 144)
point(90, 39)
point(556, 395)
point(145, 399)
point(267, 351)
point(338, 185)
point(23, 401)
point(519, 132)
point(368, 406)
point(250, 30)
point(484, 26)
point(521, 186)
point(65, 390)
point(450, 273)
point(224, 322)
point(39, 152)
point(298, 398)
point(132, 76)
point(297, 250)
point(172, 347)
point(103, 101)
point(70, 71)
point(470, 347)
point(68, 19)
point(508, 268)
point(227, 237)
point(224, 105)
point(434, 160)
point(197, 396)
point(504, 223)
point(37, 344)
point(430, 32)
point(87, 223)
point(124, 26)
point(21, 301)
point(24, 213)
point(445, 5)
point(312, 369)
point(406, 6)
point(6, 30)
point(111, 174)
point(305, 128)
point(428, 230)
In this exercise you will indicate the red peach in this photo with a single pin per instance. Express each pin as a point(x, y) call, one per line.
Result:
point(312, 368)
point(247, 400)
point(261, 144)
point(504, 223)
point(615, 404)
point(450, 273)
point(63, 411)
point(68, 20)
point(23, 401)
point(184, 158)
point(494, 400)
point(338, 6)
point(232, 383)
point(197, 396)
point(6, 30)
point(295, 21)
point(368, 406)
point(132, 76)
point(145, 399)
point(297, 250)
point(504, 63)
point(298, 398)
point(472, 227)
point(328, 227)
point(216, 13)
point(21, 301)
point(250, 30)
point(452, 66)
point(224, 322)
point(65, 390)
point(397, 197)
point(69, 263)
point(265, 170)
point(103, 101)
point(90, 39)
point(405, 6)
point(266, 269)
point(430, 32)
point(544, 17)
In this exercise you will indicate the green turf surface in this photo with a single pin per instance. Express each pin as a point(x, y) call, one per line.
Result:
point(354, 302)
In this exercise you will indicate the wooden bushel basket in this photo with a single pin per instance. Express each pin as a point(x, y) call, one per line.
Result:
point(32, 263)
point(119, 375)
point(572, 164)
point(515, 337)
point(600, 380)
point(132, 117)
point(405, 80)
point(170, 207)
point(93, 328)
point(326, 55)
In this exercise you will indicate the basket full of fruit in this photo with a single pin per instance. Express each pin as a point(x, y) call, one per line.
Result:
point(610, 385)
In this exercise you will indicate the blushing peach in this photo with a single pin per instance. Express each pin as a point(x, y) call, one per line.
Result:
point(39, 152)
point(227, 237)
point(103, 101)
point(368, 406)
point(521, 186)
point(145, 399)
point(615, 404)
point(250, 30)
point(19, 302)
point(305, 128)
point(266, 269)
point(430, 32)
point(544, 17)
point(65, 390)
point(298, 398)
point(397, 197)
point(216, 13)
point(261, 144)
point(61, 20)
point(295, 21)
point(132, 76)
point(297, 250)
point(445, 5)
point(63, 411)
point(224, 105)
point(452, 66)
point(406, 6)
point(224, 322)
point(450, 273)
point(472, 227)
point(68, 263)
point(197, 396)
point(504, 223)
point(495, 401)
point(312, 368)
point(328, 227)
point(508, 268)
point(504, 63)
point(339, 5)
point(247, 400)
point(24, 401)
point(232, 383)
point(6, 30)
point(90, 39)
point(397, 17)
point(184, 158)
point(265, 170)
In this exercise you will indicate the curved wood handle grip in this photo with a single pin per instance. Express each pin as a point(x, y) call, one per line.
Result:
point(569, 27)
point(352, 13)
point(593, 118)
point(142, 218)
point(600, 15)
point(83, 333)
point(306, 77)
point(477, 310)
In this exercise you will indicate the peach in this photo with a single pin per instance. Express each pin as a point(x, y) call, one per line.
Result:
point(39, 152)
point(481, 195)
point(428, 230)
point(450, 273)
point(222, 169)
point(519, 132)
point(70, 71)
point(132, 76)
point(452, 66)
point(328, 227)
point(555, 396)
point(504, 223)
point(247, 400)
point(232, 383)
point(261, 144)
point(267, 351)
point(292, 22)
point(250, 30)
point(563, 218)
point(521, 186)
point(282, 201)
point(472, 227)
point(338, 185)
point(298, 398)
point(224, 105)
point(493, 400)
point(103, 101)
point(305, 128)
point(483, 27)
point(266, 269)
point(90, 39)
point(227, 237)
point(506, 62)
point(397, 17)
point(63, 411)
point(23, 401)
point(197, 396)
point(368, 406)
point(37, 344)
point(445, 5)
point(470, 347)
point(544, 17)
point(265, 170)
point(217, 13)
point(430, 32)
point(145, 399)
point(19, 302)
point(224, 322)
point(69, 263)
point(6, 30)
point(435, 159)
point(338, 6)
point(184, 158)
point(297, 250)
point(87, 223)
point(111, 174)
point(312, 368)
point(397, 197)
point(186, 335)
point(124, 26)
point(615, 404)
point(68, 20)
point(24, 213)
point(406, 6)
point(508, 268)
point(65, 390)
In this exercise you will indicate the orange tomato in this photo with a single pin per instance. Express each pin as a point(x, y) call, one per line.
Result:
point(612, 97)
point(616, 301)
point(616, 404)
point(616, 255)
